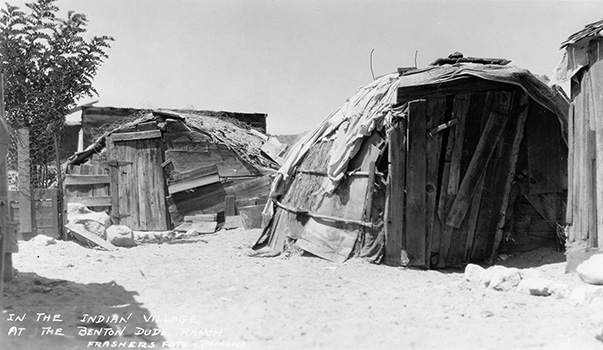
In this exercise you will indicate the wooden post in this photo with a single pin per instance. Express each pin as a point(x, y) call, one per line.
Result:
point(416, 194)
point(25, 192)
point(5, 258)
point(395, 196)
point(59, 198)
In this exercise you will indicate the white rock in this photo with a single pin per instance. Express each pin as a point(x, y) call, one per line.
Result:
point(535, 286)
point(585, 294)
point(473, 273)
point(77, 208)
point(121, 236)
point(43, 240)
point(504, 279)
point(560, 290)
point(530, 273)
point(94, 222)
point(591, 271)
point(191, 232)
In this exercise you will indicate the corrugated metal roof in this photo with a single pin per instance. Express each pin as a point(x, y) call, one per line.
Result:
point(592, 29)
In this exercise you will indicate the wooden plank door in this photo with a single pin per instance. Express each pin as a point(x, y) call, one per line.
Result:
point(137, 181)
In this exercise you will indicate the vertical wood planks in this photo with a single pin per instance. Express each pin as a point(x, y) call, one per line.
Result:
point(436, 114)
point(491, 202)
point(395, 196)
point(416, 169)
point(510, 154)
point(596, 72)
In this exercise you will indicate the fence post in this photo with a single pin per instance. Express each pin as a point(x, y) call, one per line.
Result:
point(6, 261)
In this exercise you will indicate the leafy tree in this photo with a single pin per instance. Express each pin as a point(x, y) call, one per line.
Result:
point(48, 65)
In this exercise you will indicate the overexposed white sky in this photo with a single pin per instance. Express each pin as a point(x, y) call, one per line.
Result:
point(298, 60)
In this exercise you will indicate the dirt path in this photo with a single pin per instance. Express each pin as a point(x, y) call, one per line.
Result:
point(207, 293)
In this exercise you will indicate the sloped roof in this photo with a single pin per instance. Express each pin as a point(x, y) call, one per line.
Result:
point(237, 136)
point(592, 29)
point(375, 104)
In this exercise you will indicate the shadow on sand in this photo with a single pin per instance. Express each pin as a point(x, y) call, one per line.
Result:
point(42, 313)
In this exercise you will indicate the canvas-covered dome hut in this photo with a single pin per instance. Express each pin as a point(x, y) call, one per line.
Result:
point(440, 165)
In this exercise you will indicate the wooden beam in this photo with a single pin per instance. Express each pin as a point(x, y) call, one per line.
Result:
point(508, 167)
point(137, 135)
point(462, 85)
point(193, 183)
point(229, 205)
point(459, 112)
point(91, 201)
point(194, 173)
point(71, 179)
point(395, 195)
point(201, 217)
point(436, 113)
point(490, 137)
point(80, 231)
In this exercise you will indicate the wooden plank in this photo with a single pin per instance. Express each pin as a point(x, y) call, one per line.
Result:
point(472, 220)
point(436, 113)
point(199, 226)
point(509, 166)
point(229, 205)
point(25, 193)
point(368, 204)
point(81, 232)
point(491, 201)
point(71, 180)
point(137, 135)
point(490, 137)
point(596, 72)
point(395, 195)
point(193, 183)
point(257, 187)
point(234, 221)
point(459, 112)
point(462, 85)
point(416, 169)
point(201, 217)
point(195, 173)
point(91, 201)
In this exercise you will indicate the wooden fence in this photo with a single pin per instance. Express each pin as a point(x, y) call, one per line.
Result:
point(89, 184)
point(45, 216)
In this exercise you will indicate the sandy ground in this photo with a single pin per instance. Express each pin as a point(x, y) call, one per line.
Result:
point(207, 293)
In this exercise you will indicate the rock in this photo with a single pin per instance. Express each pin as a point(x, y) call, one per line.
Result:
point(504, 279)
point(190, 233)
point(94, 222)
point(535, 286)
point(153, 236)
point(530, 273)
point(559, 290)
point(585, 294)
point(43, 240)
point(473, 273)
point(591, 271)
point(120, 236)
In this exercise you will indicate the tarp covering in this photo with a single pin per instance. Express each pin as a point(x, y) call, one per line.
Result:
point(372, 104)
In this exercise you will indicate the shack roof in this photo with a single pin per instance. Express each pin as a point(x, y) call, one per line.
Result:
point(377, 103)
point(237, 136)
point(590, 30)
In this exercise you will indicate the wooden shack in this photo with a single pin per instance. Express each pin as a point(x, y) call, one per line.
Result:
point(433, 167)
point(93, 121)
point(151, 171)
point(582, 65)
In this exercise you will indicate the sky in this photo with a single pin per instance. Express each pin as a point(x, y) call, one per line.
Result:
point(297, 61)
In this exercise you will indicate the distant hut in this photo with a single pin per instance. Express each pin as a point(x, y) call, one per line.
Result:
point(153, 169)
point(583, 64)
point(438, 166)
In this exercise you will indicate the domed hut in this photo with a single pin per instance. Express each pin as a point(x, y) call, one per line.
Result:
point(429, 167)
